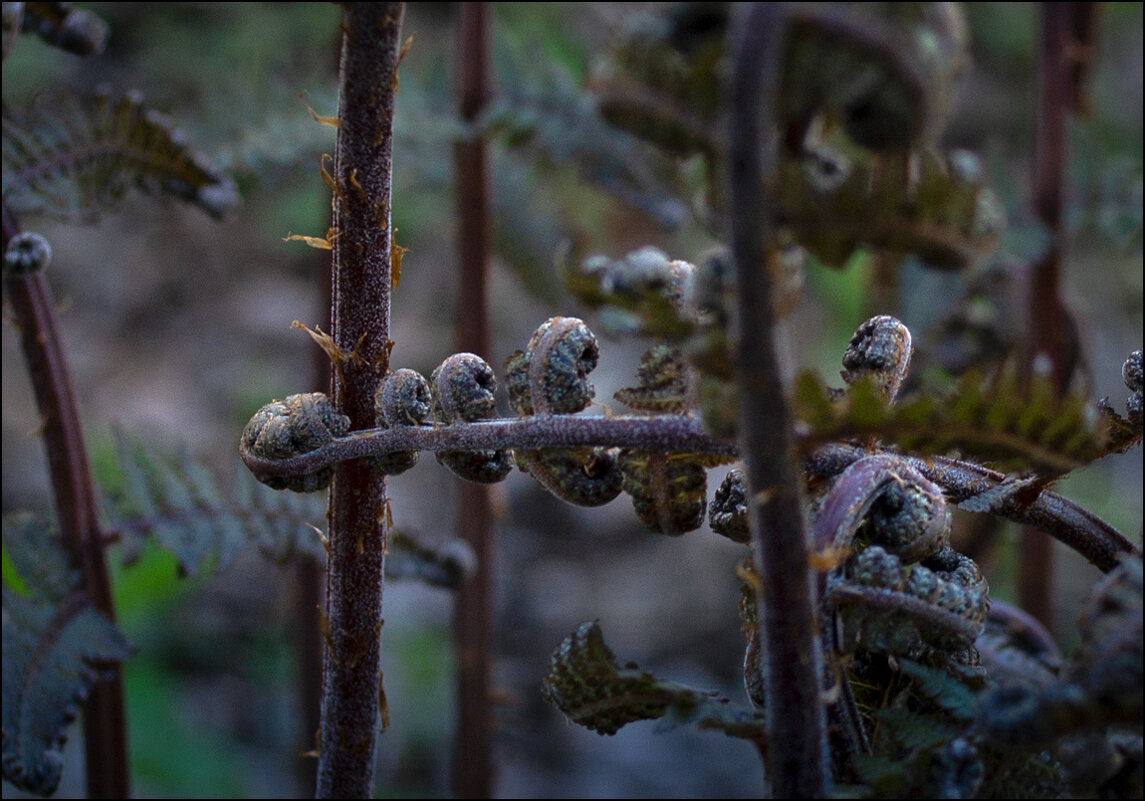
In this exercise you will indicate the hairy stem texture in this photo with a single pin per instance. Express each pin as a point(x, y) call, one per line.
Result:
point(360, 318)
point(796, 723)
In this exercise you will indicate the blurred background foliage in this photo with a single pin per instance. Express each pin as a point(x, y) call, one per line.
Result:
point(178, 328)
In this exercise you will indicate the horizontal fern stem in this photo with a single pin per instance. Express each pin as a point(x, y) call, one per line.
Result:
point(663, 433)
point(961, 481)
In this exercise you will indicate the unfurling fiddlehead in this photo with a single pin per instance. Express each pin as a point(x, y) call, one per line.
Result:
point(881, 347)
point(463, 387)
point(728, 515)
point(297, 425)
point(669, 491)
point(403, 398)
point(550, 377)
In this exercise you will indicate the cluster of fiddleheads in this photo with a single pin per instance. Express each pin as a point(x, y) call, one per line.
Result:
point(900, 612)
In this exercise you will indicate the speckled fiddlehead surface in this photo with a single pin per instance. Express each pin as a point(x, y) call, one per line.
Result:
point(299, 424)
point(463, 387)
point(403, 399)
point(550, 377)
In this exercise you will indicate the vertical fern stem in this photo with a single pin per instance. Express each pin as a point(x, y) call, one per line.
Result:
point(77, 511)
point(473, 627)
point(360, 319)
point(1052, 335)
point(797, 765)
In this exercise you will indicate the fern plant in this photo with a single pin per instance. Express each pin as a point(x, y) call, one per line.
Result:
point(876, 662)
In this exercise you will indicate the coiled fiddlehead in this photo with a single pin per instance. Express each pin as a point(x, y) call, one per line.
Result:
point(645, 293)
point(887, 605)
point(299, 424)
point(728, 514)
point(1131, 373)
point(881, 347)
point(403, 398)
point(462, 388)
point(551, 377)
point(27, 253)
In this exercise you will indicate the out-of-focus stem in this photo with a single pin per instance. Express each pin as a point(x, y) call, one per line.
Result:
point(1052, 337)
point(473, 763)
point(797, 763)
point(77, 514)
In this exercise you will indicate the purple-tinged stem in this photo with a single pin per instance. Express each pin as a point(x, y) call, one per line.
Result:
point(361, 321)
point(77, 512)
point(796, 721)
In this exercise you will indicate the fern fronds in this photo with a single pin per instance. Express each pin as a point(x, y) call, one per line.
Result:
point(186, 509)
point(994, 421)
point(586, 684)
point(55, 646)
point(74, 156)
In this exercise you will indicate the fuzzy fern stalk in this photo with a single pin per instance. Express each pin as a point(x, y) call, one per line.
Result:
point(796, 727)
point(351, 685)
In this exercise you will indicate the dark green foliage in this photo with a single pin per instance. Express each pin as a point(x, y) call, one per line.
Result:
point(55, 647)
point(937, 208)
point(586, 684)
point(190, 512)
point(669, 491)
point(73, 156)
point(665, 383)
point(995, 420)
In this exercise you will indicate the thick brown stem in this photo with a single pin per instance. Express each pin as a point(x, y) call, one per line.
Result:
point(104, 719)
point(473, 627)
point(796, 723)
point(351, 686)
